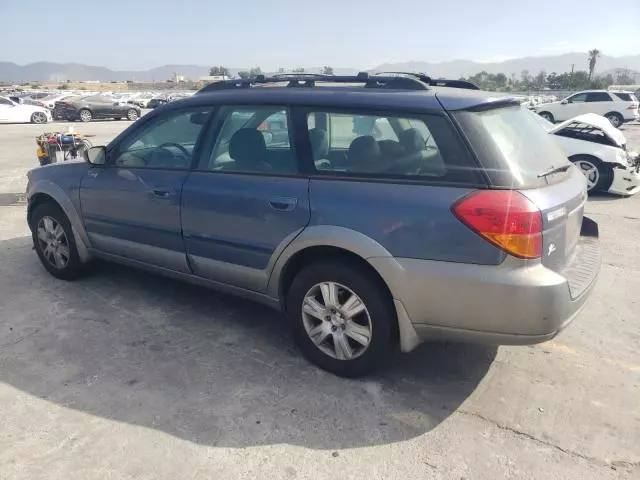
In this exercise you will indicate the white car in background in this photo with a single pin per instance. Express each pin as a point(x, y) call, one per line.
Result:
point(12, 112)
point(617, 106)
point(599, 150)
point(50, 101)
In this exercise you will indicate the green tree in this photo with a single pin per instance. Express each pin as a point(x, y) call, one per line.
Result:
point(592, 60)
point(215, 71)
point(244, 74)
point(327, 70)
point(254, 72)
point(63, 86)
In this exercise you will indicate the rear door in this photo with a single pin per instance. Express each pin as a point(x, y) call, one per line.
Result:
point(247, 199)
point(600, 103)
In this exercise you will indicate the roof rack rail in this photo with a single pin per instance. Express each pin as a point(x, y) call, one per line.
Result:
point(311, 79)
point(435, 82)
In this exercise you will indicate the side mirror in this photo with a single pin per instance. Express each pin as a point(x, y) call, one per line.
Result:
point(96, 155)
point(564, 102)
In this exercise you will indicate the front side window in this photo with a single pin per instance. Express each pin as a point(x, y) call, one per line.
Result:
point(579, 98)
point(253, 139)
point(360, 144)
point(4, 101)
point(598, 97)
point(168, 142)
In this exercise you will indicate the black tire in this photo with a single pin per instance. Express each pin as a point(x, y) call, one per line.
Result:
point(39, 118)
point(74, 267)
point(85, 115)
point(615, 119)
point(379, 307)
point(548, 116)
point(605, 172)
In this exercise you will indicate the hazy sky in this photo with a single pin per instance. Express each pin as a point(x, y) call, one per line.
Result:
point(140, 34)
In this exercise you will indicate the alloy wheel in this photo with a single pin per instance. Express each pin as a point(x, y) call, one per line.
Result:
point(85, 115)
point(336, 320)
point(591, 173)
point(614, 119)
point(53, 242)
point(132, 115)
point(39, 117)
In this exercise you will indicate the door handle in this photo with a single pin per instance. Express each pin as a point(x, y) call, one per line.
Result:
point(163, 192)
point(283, 204)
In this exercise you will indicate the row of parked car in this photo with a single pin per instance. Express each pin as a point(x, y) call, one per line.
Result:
point(43, 107)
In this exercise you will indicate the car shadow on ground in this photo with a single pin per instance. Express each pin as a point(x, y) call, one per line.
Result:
point(136, 348)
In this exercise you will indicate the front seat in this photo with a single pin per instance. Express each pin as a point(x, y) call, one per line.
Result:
point(320, 148)
point(248, 150)
point(364, 154)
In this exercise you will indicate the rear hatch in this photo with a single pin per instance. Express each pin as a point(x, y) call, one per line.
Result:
point(517, 154)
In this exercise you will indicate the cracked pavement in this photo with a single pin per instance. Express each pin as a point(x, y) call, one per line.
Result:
point(125, 375)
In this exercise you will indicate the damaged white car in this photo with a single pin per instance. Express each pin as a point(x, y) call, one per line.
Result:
point(599, 150)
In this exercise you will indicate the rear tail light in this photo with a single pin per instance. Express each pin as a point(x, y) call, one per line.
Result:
point(633, 106)
point(505, 218)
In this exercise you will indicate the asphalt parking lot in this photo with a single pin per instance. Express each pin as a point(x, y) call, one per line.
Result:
point(125, 375)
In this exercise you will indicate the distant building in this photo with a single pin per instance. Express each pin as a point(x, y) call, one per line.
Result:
point(178, 78)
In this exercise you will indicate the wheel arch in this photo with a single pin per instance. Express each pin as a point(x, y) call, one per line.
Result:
point(319, 243)
point(48, 192)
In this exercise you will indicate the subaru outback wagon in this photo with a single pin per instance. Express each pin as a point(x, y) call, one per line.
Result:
point(452, 216)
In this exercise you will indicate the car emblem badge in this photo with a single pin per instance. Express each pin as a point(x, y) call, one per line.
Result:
point(552, 248)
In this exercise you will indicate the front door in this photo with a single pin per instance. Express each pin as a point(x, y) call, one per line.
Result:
point(131, 206)
point(576, 105)
point(246, 201)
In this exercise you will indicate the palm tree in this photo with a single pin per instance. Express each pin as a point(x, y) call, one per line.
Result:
point(593, 58)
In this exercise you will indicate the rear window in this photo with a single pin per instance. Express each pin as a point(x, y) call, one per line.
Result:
point(513, 147)
point(626, 97)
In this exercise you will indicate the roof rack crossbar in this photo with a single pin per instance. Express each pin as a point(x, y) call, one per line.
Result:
point(311, 80)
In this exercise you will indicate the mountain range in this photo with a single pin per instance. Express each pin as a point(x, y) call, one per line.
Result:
point(53, 72)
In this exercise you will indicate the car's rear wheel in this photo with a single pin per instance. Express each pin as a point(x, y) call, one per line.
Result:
point(547, 116)
point(615, 119)
point(599, 176)
point(86, 115)
point(54, 242)
point(38, 117)
point(132, 115)
point(342, 318)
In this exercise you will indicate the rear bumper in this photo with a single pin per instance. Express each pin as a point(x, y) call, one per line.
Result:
point(510, 304)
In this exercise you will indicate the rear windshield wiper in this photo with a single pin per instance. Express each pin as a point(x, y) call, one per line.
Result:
point(553, 170)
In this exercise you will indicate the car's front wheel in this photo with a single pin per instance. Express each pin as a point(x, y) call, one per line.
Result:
point(54, 242)
point(132, 115)
point(342, 317)
point(598, 175)
point(38, 117)
point(547, 116)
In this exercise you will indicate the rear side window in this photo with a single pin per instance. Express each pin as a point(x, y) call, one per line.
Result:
point(626, 97)
point(512, 146)
point(598, 97)
point(421, 147)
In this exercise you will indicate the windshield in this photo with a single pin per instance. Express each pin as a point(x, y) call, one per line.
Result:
point(512, 147)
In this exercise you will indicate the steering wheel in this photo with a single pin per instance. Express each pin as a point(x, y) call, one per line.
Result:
point(183, 150)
